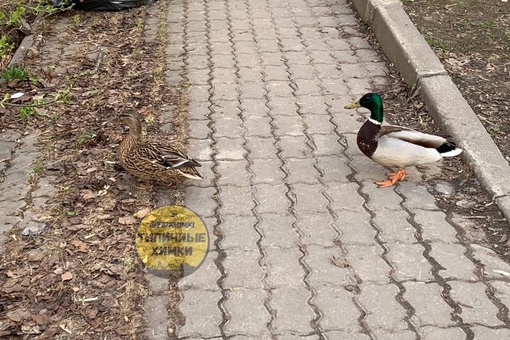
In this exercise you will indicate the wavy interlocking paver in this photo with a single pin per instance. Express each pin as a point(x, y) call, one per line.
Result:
point(303, 244)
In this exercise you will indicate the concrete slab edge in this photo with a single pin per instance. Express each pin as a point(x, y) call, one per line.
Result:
point(21, 52)
point(418, 65)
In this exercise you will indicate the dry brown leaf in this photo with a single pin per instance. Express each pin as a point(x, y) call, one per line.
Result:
point(67, 276)
point(35, 255)
point(87, 194)
point(143, 212)
point(80, 245)
point(127, 220)
point(340, 262)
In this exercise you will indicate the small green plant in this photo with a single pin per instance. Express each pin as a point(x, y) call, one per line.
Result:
point(85, 137)
point(26, 111)
point(15, 72)
point(76, 19)
point(5, 46)
point(15, 16)
point(435, 42)
point(64, 96)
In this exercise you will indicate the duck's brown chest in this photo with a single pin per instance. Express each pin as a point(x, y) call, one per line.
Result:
point(367, 138)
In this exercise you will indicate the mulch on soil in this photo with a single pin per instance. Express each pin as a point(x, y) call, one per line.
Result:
point(475, 50)
point(81, 278)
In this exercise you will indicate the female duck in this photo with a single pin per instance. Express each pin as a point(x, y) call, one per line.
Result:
point(153, 160)
point(396, 146)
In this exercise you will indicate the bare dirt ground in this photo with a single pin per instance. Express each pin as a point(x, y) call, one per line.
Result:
point(91, 227)
point(472, 39)
point(81, 278)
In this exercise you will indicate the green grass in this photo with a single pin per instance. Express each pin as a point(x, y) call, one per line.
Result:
point(435, 42)
point(15, 72)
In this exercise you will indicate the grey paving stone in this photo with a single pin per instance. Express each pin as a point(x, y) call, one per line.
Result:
point(434, 225)
point(409, 262)
point(436, 333)
point(224, 91)
point(341, 335)
point(251, 90)
point(255, 126)
point(205, 304)
point(278, 231)
point(481, 332)
point(293, 147)
point(200, 200)
point(243, 270)
point(367, 262)
point(476, 306)
point(261, 148)
point(269, 58)
point(323, 271)
point(254, 108)
point(233, 173)
point(317, 229)
point(318, 124)
point(326, 145)
point(249, 70)
point(221, 75)
point(199, 129)
point(236, 200)
point(301, 170)
point(381, 199)
point(284, 268)
point(292, 311)
point(200, 149)
point(266, 171)
point(276, 73)
point(288, 125)
point(494, 266)
point(395, 227)
point(282, 106)
point(452, 258)
point(239, 233)
point(394, 335)
point(383, 310)
point(339, 311)
point(198, 111)
point(312, 106)
point(333, 168)
point(429, 305)
point(204, 278)
point(199, 93)
point(417, 197)
point(247, 60)
point(299, 71)
point(157, 325)
point(355, 227)
point(278, 88)
point(230, 149)
point(345, 197)
point(307, 87)
point(242, 320)
point(501, 291)
point(309, 198)
point(297, 58)
point(228, 127)
point(271, 199)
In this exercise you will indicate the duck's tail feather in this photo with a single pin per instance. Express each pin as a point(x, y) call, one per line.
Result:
point(448, 149)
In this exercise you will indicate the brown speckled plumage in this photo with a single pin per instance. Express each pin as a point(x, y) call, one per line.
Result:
point(160, 160)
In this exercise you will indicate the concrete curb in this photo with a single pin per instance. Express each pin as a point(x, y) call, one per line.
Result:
point(418, 64)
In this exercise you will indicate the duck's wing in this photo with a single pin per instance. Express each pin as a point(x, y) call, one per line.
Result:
point(165, 156)
point(411, 136)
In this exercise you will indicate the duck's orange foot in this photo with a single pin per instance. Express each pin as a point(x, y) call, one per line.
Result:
point(400, 175)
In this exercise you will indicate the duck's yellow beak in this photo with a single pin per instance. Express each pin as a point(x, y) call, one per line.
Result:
point(353, 105)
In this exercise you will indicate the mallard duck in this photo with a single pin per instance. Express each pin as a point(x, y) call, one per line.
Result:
point(157, 160)
point(396, 146)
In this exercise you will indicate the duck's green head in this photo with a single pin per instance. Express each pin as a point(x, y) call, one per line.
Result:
point(371, 101)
